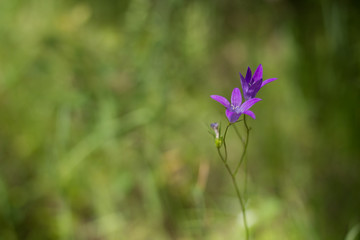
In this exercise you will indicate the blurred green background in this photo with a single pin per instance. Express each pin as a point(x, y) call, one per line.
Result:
point(105, 110)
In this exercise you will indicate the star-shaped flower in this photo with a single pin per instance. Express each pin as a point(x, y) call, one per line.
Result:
point(235, 109)
point(252, 84)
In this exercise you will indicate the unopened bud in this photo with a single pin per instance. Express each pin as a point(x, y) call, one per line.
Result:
point(218, 139)
point(215, 127)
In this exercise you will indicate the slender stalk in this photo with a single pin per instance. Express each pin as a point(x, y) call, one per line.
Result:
point(245, 181)
point(242, 206)
point(237, 193)
point(246, 162)
point(226, 129)
point(238, 134)
point(245, 148)
point(233, 178)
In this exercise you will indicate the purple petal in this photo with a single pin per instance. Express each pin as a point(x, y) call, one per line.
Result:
point(236, 97)
point(247, 96)
point(250, 113)
point(248, 75)
point(267, 81)
point(244, 84)
point(253, 90)
point(214, 125)
point(258, 73)
point(221, 100)
point(248, 104)
point(232, 116)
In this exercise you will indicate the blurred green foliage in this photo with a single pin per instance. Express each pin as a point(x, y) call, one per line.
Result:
point(105, 110)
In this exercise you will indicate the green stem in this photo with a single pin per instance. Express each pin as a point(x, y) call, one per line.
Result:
point(245, 148)
point(224, 160)
point(242, 206)
point(237, 193)
point(245, 181)
point(246, 161)
point(226, 129)
point(238, 134)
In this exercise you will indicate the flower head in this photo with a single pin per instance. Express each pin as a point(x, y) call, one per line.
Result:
point(252, 84)
point(235, 108)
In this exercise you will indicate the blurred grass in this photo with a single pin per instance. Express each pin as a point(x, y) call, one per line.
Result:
point(105, 110)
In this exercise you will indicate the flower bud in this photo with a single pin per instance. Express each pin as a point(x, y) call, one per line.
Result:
point(215, 127)
point(218, 139)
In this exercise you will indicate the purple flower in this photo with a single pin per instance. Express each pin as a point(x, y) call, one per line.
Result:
point(235, 109)
point(251, 85)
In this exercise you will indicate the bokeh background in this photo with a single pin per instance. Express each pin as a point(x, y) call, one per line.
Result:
point(105, 108)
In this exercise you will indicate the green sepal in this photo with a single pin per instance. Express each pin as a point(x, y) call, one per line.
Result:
point(218, 142)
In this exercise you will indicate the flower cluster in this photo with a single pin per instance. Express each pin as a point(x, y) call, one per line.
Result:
point(250, 86)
